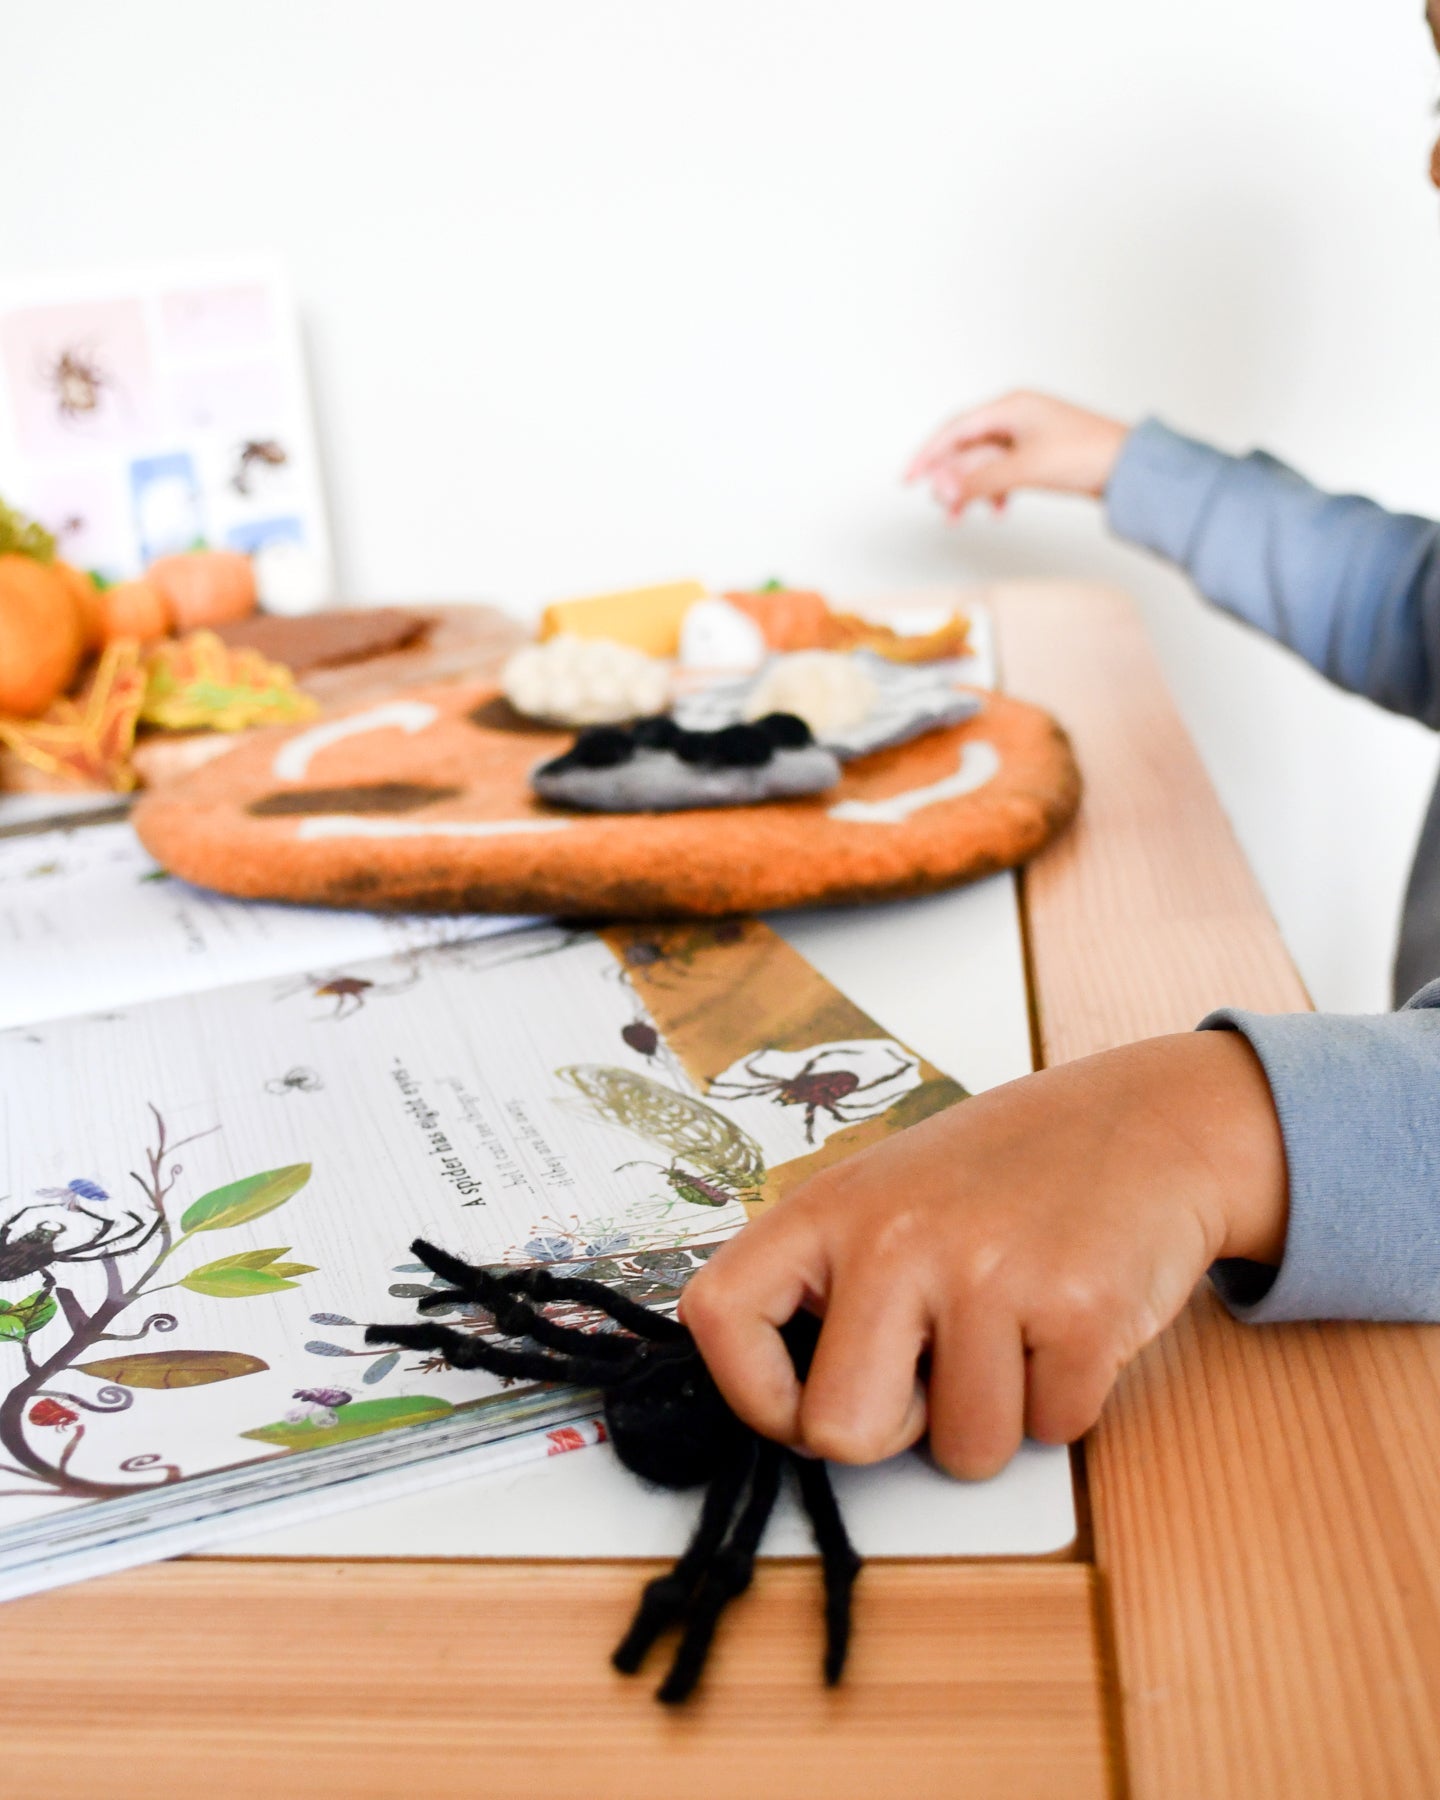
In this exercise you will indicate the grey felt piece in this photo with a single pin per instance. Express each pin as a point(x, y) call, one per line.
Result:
point(658, 781)
point(911, 701)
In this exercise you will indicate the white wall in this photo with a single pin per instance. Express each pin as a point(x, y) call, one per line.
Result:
point(600, 290)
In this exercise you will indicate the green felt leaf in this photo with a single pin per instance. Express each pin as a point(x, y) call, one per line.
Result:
point(362, 1418)
point(290, 1270)
point(249, 1198)
point(234, 1284)
point(12, 1328)
point(174, 1368)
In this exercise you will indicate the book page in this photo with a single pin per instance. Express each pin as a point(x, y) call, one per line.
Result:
point(207, 1198)
point(89, 921)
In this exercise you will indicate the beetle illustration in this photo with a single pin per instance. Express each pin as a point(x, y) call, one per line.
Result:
point(831, 1091)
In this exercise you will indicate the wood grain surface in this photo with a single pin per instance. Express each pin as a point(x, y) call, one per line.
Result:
point(1266, 1502)
point(387, 1681)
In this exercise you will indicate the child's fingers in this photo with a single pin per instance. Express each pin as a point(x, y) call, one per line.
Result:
point(735, 1307)
point(982, 424)
point(977, 1392)
point(862, 1399)
point(1068, 1383)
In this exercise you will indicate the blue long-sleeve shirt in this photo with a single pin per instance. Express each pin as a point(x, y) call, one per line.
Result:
point(1355, 590)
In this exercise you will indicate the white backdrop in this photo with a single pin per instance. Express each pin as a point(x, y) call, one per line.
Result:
point(605, 290)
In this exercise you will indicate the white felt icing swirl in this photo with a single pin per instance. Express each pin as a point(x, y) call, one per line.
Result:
point(341, 825)
point(293, 758)
point(979, 763)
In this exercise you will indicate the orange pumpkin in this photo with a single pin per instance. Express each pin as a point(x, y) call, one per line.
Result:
point(134, 609)
point(42, 635)
point(790, 618)
point(87, 601)
point(205, 587)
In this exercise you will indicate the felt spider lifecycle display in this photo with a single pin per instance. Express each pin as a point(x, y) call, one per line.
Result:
point(670, 1425)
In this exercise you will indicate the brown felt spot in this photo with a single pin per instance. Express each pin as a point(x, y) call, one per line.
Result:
point(363, 797)
point(497, 714)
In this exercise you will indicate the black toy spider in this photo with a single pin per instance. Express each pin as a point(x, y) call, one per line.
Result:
point(36, 1249)
point(669, 1425)
point(818, 1090)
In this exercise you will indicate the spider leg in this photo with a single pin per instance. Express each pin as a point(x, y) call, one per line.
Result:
point(497, 1294)
point(666, 1598)
point(837, 1555)
point(463, 1351)
point(644, 1321)
point(902, 1067)
point(540, 1285)
point(730, 1573)
point(102, 1244)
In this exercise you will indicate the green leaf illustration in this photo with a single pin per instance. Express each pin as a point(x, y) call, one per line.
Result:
point(174, 1368)
point(20, 1319)
point(234, 1284)
point(249, 1198)
point(250, 1272)
point(362, 1418)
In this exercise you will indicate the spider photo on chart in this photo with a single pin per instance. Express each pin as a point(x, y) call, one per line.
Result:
point(78, 382)
point(833, 1091)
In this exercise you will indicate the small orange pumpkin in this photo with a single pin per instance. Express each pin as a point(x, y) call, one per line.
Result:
point(87, 601)
point(205, 587)
point(134, 609)
point(790, 618)
point(42, 635)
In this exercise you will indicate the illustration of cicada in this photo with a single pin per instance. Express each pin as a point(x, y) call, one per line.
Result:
point(691, 1131)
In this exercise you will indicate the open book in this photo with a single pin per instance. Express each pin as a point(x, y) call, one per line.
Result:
point(205, 1198)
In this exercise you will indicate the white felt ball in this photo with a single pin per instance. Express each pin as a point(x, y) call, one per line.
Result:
point(716, 635)
point(585, 681)
point(828, 689)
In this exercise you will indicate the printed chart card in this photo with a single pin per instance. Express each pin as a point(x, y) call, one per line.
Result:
point(144, 412)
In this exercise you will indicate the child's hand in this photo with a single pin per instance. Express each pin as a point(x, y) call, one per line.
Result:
point(1027, 1243)
point(1022, 440)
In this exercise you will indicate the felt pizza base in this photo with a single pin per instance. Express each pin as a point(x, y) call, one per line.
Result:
point(420, 803)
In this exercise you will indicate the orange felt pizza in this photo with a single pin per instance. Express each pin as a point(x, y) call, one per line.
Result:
point(421, 802)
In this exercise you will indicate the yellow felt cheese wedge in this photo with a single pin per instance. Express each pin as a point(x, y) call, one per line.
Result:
point(647, 618)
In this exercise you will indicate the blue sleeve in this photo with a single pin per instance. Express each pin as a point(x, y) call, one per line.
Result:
point(1353, 589)
point(1359, 1105)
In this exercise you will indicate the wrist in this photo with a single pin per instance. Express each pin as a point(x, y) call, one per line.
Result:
point(1252, 1176)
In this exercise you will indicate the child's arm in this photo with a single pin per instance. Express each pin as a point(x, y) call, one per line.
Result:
point(1027, 1242)
point(1352, 588)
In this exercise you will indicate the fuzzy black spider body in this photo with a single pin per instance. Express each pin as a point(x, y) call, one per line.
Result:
point(670, 1425)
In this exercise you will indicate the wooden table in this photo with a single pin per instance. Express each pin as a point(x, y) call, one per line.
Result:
point(1254, 1609)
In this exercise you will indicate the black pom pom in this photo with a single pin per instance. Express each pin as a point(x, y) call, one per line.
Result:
point(657, 733)
point(742, 747)
point(786, 731)
point(605, 747)
point(695, 747)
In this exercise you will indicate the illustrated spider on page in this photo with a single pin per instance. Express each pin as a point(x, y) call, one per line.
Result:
point(670, 1425)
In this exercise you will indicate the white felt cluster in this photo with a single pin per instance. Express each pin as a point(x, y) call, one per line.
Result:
point(585, 681)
